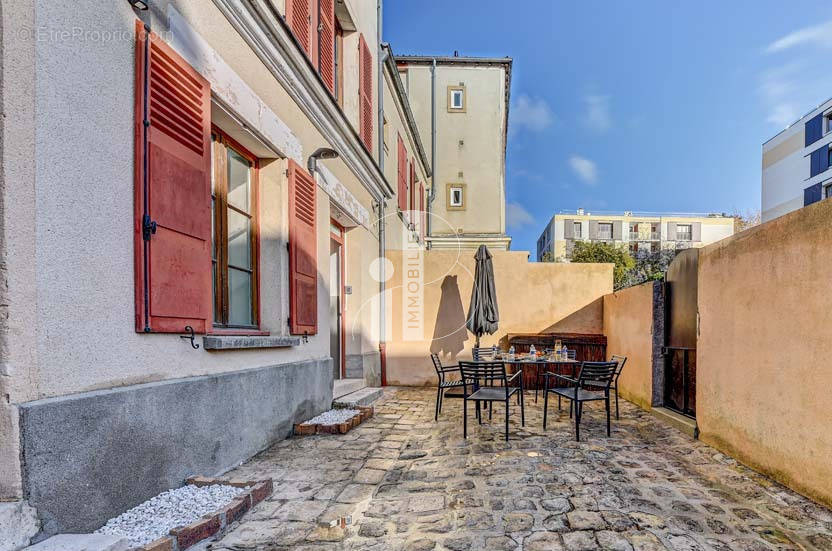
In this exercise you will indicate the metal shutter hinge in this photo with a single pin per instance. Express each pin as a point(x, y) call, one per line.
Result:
point(148, 227)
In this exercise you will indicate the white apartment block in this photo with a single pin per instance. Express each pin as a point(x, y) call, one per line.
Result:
point(638, 232)
point(796, 164)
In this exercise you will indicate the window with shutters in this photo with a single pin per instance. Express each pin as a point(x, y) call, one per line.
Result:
point(422, 211)
point(365, 93)
point(401, 175)
point(411, 187)
point(339, 63)
point(576, 230)
point(172, 206)
point(235, 245)
point(605, 230)
point(326, 43)
point(299, 18)
point(303, 252)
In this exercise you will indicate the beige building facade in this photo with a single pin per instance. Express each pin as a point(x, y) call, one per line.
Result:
point(460, 105)
point(638, 232)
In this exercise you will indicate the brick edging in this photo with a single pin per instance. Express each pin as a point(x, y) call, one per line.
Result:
point(306, 429)
point(213, 524)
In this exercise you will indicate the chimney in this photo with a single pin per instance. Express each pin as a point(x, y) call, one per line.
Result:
point(456, 53)
point(580, 212)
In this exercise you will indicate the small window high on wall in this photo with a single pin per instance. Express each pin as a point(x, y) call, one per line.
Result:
point(455, 197)
point(235, 250)
point(456, 99)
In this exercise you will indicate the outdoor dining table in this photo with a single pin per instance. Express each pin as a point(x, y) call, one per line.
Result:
point(538, 363)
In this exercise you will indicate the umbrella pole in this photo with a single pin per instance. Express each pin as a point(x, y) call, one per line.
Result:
point(477, 345)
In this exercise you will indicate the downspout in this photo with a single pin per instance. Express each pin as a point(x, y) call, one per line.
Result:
point(382, 286)
point(432, 193)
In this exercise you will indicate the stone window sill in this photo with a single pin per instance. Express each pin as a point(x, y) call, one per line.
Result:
point(239, 342)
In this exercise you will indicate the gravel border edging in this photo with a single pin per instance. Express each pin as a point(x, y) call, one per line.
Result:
point(213, 524)
point(306, 429)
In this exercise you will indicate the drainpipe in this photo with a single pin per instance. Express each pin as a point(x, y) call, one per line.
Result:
point(382, 286)
point(432, 193)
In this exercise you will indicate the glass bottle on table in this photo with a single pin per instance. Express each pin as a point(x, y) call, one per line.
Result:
point(532, 352)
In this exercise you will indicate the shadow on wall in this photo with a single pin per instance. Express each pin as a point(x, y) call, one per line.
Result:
point(449, 333)
point(587, 319)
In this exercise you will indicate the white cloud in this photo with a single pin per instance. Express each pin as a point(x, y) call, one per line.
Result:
point(782, 115)
point(817, 35)
point(528, 175)
point(791, 89)
point(530, 113)
point(598, 116)
point(517, 216)
point(585, 169)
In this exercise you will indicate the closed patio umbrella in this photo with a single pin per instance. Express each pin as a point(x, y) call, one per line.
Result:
point(483, 316)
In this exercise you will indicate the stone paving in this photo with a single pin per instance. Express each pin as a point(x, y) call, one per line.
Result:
point(403, 481)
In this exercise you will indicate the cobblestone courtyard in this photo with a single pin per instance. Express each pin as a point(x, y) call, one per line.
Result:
point(404, 481)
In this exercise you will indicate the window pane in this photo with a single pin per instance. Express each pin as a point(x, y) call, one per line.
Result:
point(239, 298)
point(217, 317)
point(238, 180)
point(239, 240)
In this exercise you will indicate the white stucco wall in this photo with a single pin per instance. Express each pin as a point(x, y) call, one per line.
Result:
point(82, 292)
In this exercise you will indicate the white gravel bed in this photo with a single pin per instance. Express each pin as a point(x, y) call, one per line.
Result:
point(333, 417)
point(156, 517)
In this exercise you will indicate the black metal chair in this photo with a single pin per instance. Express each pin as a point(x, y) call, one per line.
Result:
point(480, 378)
point(620, 360)
point(595, 374)
point(483, 353)
point(538, 375)
point(444, 384)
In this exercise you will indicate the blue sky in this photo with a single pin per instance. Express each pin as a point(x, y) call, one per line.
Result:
point(644, 106)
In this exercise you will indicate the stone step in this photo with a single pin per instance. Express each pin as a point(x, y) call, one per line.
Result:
point(82, 542)
point(342, 387)
point(364, 397)
point(676, 420)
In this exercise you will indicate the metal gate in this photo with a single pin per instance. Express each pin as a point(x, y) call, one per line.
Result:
point(681, 332)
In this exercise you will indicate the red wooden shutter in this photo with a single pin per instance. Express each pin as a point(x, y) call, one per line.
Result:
point(411, 184)
point(365, 93)
point(303, 252)
point(172, 191)
point(326, 42)
point(299, 19)
point(422, 211)
point(401, 157)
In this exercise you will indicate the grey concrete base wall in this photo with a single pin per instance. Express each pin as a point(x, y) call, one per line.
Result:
point(365, 366)
point(89, 457)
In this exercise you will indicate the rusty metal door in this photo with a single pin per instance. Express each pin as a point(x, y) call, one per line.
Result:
point(681, 332)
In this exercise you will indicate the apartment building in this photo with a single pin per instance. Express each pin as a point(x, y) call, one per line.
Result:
point(194, 196)
point(796, 164)
point(638, 232)
point(460, 105)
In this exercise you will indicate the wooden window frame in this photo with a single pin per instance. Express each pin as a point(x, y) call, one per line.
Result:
point(220, 142)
